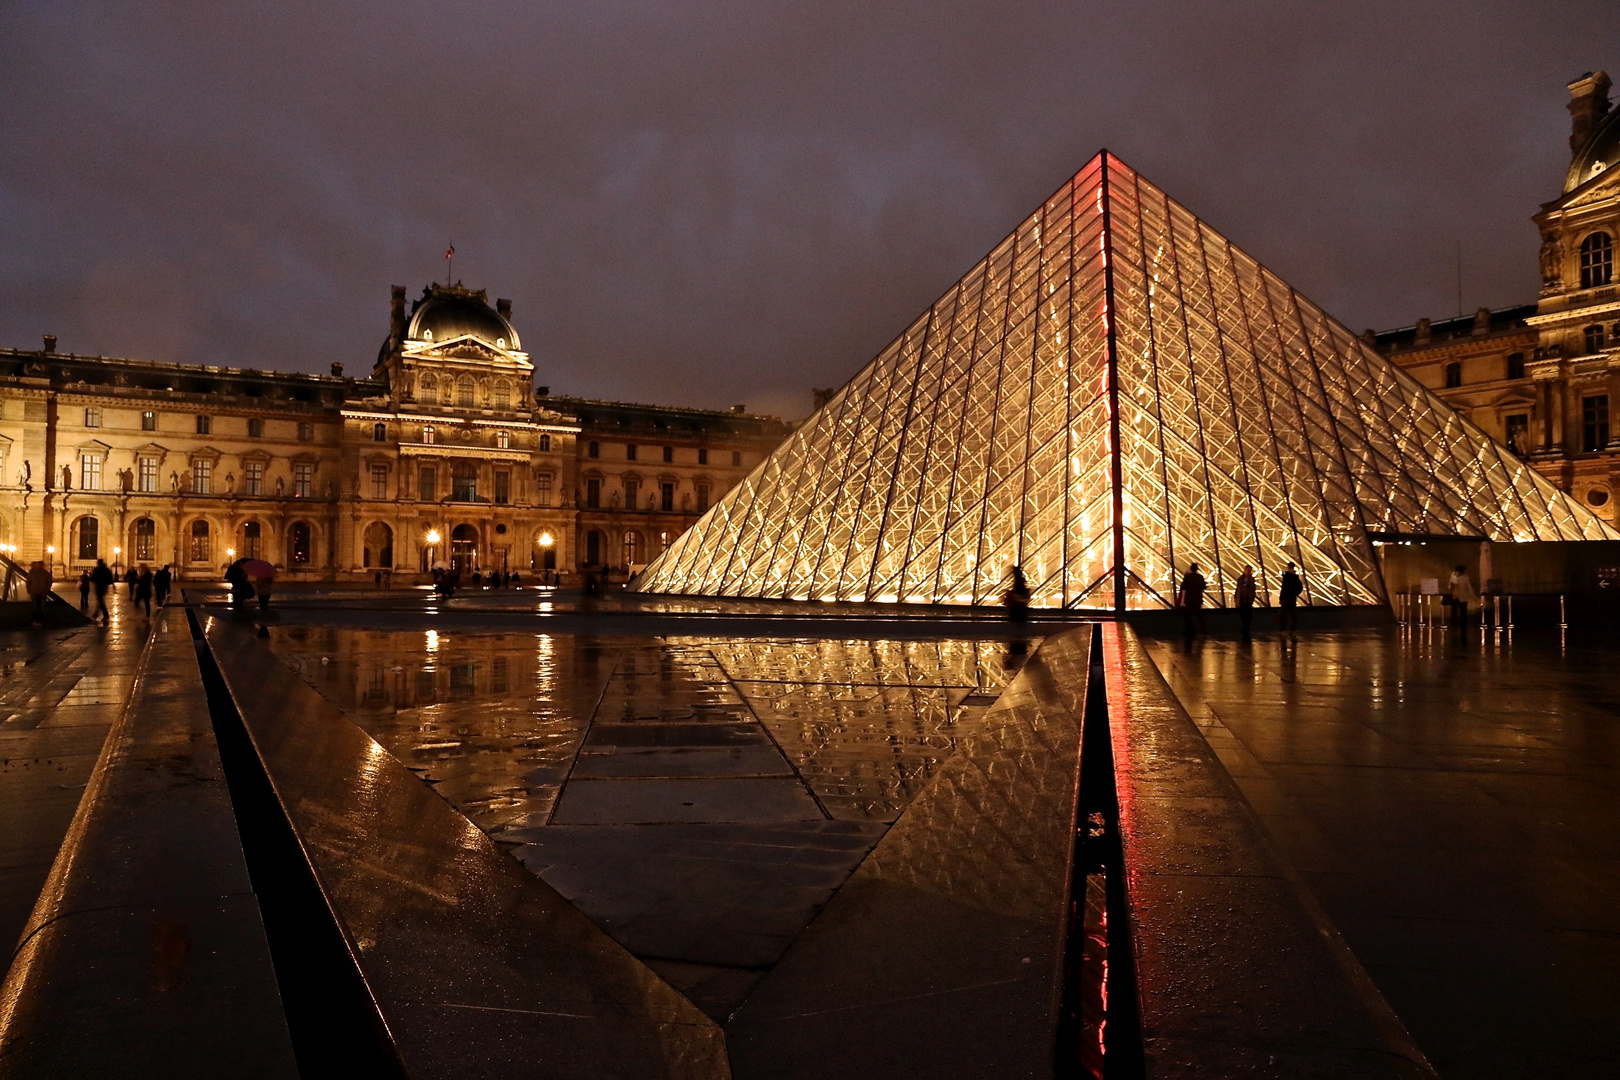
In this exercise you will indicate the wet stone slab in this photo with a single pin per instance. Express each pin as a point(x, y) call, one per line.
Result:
point(699, 800)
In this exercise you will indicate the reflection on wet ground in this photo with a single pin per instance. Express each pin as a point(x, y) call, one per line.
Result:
point(699, 799)
point(1452, 803)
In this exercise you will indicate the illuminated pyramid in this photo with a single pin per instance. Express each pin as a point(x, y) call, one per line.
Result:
point(1113, 393)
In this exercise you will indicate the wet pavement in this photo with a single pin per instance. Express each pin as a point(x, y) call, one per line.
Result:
point(60, 691)
point(699, 799)
point(1452, 804)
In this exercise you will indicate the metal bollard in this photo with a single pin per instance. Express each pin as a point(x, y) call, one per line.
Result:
point(1563, 617)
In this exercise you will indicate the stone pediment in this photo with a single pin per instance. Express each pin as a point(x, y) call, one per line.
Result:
point(94, 446)
point(1512, 399)
point(1599, 190)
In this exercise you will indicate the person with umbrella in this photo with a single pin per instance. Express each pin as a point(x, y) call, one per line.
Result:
point(236, 577)
point(261, 574)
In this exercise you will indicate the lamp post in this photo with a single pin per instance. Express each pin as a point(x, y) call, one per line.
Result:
point(432, 541)
point(546, 540)
point(117, 562)
point(50, 558)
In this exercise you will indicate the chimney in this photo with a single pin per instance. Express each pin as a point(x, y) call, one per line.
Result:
point(396, 314)
point(1368, 336)
point(337, 369)
point(1423, 332)
point(543, 391)
point(1482, 321)
point(504, 309)
point(50, 342)
point(1588, 104)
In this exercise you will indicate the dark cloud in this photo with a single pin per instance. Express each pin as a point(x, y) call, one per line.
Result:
point(718, 202)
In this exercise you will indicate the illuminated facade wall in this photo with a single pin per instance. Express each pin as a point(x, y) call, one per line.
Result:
point(1113, 393)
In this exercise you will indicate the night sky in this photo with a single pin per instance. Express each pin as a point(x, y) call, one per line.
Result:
point(709, 203)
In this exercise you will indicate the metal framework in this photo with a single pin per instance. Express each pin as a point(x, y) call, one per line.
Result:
point(1113, 393)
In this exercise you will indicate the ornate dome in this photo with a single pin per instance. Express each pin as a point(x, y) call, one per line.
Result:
point(447, 312)
point(1599, 155)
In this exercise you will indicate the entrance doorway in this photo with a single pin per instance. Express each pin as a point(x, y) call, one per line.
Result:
point(464, 549)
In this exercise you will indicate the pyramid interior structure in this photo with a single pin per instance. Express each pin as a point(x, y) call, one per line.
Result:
point(1113, 393)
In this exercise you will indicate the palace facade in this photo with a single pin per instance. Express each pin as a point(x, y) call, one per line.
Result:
point(447, 453)
point(1544, 377)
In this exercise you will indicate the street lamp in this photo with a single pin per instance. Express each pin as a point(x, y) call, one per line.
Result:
point(545, 541)
point(117, 551)
point(50, 557)
point(432, 541)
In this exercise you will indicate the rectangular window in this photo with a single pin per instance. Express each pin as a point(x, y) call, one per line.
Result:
point(205, 425)
point(427, 483)
point(464, 483)
point(1518, 432)
point(1515, 365)
point(593, 493)
point(146, 474)
point(145, 540)
point(1595, 339)
point(303, 480)
point(1453, 375)
point(703, 455)
point(148, 421)
point(202, 477)
point(92, 417)
point(736, 457)
point(306, 431)
point(669, 453)
point(255, 428)
point(90, 472)
point(630, 452)
point(379, 481)
point(593, 449)
point(666, 496)
point(542, 489)
point(503, 487)
point(632, 491)
point(253, 477)
point(1595, 422)
point(702, 497)
point(545, 442)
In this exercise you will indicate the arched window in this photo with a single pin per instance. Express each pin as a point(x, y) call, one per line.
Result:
point(593, 548)
point(252, 535)
point(298, 545)
point(545, 442)
point(1597, 260)
point(379, 546)
point(89, 538)
point(201, 551)
point(379, 433)
point(503, 440)
point(632, 548)
point(464, 392)
point(145, 540)
point(427, 434)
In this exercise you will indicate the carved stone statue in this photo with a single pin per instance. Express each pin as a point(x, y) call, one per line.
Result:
point(126, 479)
point(1552, 261)
point(25, 474)
point(230, 483)
point(615, 503)
point(174, 481)
point(279, 485)
point(67, 478)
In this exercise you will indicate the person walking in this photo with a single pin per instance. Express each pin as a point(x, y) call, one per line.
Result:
point(84, 590)
point(1461, 590)
point(1243, 599)
point(1017, 596)
point(1190, 599)
point(1292, 589)
point(130, 577)
point(162, 582)
point(39, 583)
point(101, 578)
point(236, 577)
point(143, 589)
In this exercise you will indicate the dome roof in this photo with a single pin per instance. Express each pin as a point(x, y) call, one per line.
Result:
point(1599, 155)
point(447, 312)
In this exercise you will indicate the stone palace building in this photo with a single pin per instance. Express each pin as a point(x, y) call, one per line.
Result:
point(1544, 377)
point(446, 453)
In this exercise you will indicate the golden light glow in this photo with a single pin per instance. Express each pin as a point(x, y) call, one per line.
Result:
point(433, 536)
point(229, 551)
point(546, 540)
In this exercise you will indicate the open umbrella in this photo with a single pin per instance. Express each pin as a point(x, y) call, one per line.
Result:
point(258, 568)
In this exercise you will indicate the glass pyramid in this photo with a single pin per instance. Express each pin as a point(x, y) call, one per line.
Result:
point(1113, 393)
